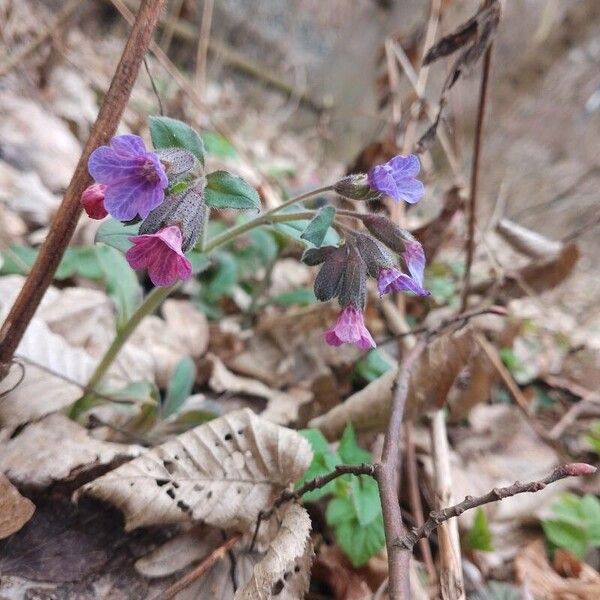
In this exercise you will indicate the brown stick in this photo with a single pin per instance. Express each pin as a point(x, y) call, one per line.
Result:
point(470, 248)
point(216, 555)
point(64, 223)
point(386, 474)
point(414, 495)
point(437, 517)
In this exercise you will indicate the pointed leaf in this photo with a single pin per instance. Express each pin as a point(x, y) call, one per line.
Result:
point(114, 233)
point(224, 190)
point(316, 230)
point(180, 386)
point(172, 133)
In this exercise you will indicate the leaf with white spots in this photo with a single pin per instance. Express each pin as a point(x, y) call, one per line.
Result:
point(284, 572)
point(222, 473)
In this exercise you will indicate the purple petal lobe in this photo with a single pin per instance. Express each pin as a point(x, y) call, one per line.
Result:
point(397, 178)
point(386, 279)
point(128, 144)
point(405, 284)
point(414, 257)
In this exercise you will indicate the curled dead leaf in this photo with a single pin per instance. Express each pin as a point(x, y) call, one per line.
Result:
point(284, 572)
point(223, 473)
point(527, 241)
point(56, 449)
point(430, 382)
point(15, 510)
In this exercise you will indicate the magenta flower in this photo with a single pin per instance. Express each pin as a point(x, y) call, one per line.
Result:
point(391, 279)
point(397, 179)
point(135, 179)
point(161, 254)
point(349, 328)
point(92, 201)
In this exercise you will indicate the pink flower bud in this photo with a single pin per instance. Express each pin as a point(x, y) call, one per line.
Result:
point(92, 201)
point(579, 469)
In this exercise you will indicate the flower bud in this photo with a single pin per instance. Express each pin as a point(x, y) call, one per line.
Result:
point(386, 232)
point(186, 210)
point(353, 288)
point(328, 280)
point(92, 201)
point(315, 256)
point(356, 187)
point(374, 254)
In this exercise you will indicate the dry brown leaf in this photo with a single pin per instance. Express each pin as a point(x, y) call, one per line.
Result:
point(536, 277)
point(527, 242)
point(56, 449)
point(281, 407)
point(284, 572)
point(15, 510)
point(41, 392)
point(535, 572)
point(430, 381)
point(223, 473)
point(183, 332)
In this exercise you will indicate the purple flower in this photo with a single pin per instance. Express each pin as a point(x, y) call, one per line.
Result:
point(92, 201)
point(349, 328)
point(135, 178)
point(161, 254)
point(391, 279)
point(397, 178)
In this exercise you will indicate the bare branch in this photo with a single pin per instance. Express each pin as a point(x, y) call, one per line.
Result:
point(407, 541)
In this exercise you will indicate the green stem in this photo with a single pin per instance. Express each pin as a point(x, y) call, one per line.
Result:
point(149, 305)
point(157, 295)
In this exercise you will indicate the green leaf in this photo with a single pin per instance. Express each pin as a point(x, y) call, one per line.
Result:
point(217, 145)
point(372, 366)
point(365, 497)
point(200, 262)
point(301, 296)
point(566, 535)
point(295, 229)
point(121, 282)
point(349, 450)
point(265, 244)
point(340, 510)
point(114, 233)
point(359, 543)
point(224, 190)
point(323, 462)
point(172, 133)
point(180, 386)
point(224, 279)
point(17, 260)
point(480, 536)
point(316, 230)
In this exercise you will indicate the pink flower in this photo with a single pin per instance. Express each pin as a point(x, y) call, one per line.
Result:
point(161, 254)
point(349, 328)
point(92, 201)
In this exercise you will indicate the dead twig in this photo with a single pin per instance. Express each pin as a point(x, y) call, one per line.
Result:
point(64, 223)
point(216, 555)
point(414, 495)
point(470, 247)
point(203, 42)
point(437, 517)
point(387, 476)
point(309, 486)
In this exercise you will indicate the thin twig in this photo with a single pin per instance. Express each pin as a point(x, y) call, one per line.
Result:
point(470, 247)
point(414, 495)
point(437, 517)
point(309, 486)
point(216, 555)
point(17, 58)
point(387, 477)
point(63, 225)
point(154, 88)
point(203, 41)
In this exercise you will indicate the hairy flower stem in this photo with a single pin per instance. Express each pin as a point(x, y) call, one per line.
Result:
point(155, 298)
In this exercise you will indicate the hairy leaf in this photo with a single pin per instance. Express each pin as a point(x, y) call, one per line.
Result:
point(316, 230)
point(224, 190)
point(172, 133)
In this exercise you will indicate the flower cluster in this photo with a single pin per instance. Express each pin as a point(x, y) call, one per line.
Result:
point(131, 183)
point(392, 256)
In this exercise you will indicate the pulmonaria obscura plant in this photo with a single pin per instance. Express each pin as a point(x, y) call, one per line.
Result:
point(160, 199)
